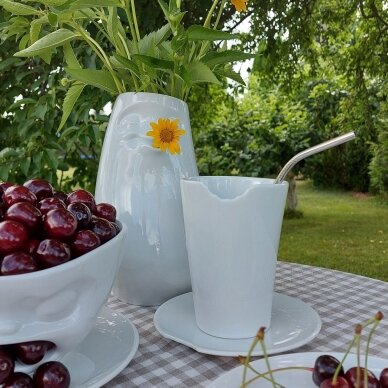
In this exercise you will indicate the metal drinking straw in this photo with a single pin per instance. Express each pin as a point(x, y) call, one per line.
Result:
point(311, 151)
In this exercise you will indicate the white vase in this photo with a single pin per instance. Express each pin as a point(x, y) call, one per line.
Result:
point(143, 183)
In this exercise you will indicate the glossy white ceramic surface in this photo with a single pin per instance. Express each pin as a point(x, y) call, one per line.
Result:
point(233, 228)
point(104, 353)
point(294, 323)
point(143, 184)
point(59, 304)
point(291, 378)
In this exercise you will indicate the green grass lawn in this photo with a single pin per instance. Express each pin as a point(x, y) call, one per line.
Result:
point(339, 230)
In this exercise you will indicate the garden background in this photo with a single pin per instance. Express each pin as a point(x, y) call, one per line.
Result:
point(320, 71)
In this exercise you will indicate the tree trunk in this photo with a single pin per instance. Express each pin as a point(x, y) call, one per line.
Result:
point(292, 199)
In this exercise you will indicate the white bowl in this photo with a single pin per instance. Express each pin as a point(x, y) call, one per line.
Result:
point(59, 304)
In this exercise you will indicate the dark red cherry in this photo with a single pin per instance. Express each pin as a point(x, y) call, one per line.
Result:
point(3, 210)
point(51, 253)
point(82, 213)
point(351, 376)
point(25, 213)
point(19, 380)
point(106, 211)
point(116, 227)
point(31, 246)
point(103, 229)
point(17, 263)
point(61, 195)
point(84, 241)
point(60, 224)
point(7, 365)
point(13, 236)
point(47, 204)
point(4, 186)
point(52, 374)
point(324, 368)
point(31, 352)
point(384, 378)
point(341, 382)
point(17, 193)
point(84, 197)
point(40, 187)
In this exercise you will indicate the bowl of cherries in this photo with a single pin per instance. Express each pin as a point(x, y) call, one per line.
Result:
point(59, 256)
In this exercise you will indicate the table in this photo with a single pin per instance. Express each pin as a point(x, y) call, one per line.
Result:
point(341, 299)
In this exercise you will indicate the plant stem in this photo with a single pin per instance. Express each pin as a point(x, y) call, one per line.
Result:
point(372, 330)
point(135, 19)
point(101, 53)
point(210, 14)
point(263, 375)
point(131, 27)
point(219, 14)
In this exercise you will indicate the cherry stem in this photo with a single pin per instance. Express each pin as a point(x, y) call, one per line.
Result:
point(264, 348)
point(263, 375)
point(247, 361)
point(279, 370)
point(372, 330)
point(358, 370)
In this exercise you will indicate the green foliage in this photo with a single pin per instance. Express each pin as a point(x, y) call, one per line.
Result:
point(378, 167)
point(257, 139)
point(30, 144)
point(169, 60)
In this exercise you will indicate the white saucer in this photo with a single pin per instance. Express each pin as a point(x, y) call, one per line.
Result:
point(294, 324)
point(291, 378)
point(104, 353)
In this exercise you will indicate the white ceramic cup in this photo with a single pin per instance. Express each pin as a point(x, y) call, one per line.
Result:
point(233, 227)
point(59, 304)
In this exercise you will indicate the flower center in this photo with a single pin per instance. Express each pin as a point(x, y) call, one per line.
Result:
point(166, 135)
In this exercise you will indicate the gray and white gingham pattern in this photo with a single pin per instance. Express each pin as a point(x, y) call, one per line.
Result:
point(341, 299)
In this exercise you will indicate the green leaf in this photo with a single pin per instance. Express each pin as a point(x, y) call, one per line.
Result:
point(51, 158)
point(112, 24)
point(8, 152)
point(162, 34)
point(70, 57)
point(70, 99)
point(25, 165)
point(40, 111)
point(18, 8)
point(216, 58)
point(6, 63)
point(127, 63)
point(155, 63)
point(229, 73)
point(99, 78)
point(165, 8)
point(208, 34)
point(199, 72)
point(185, 75)
point(53, 19)
point(47, 43)
point(4, 171)
point(35, 28)
point(72, 5)
point(21, 102)
point(24, 41)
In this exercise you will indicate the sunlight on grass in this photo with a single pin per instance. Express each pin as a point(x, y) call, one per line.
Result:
point(339, 230)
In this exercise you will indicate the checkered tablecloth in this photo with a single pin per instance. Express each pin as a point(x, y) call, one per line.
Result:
point(341, 299)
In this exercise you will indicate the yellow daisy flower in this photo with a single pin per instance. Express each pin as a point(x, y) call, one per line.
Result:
point(241, 5)
point(166, 135)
